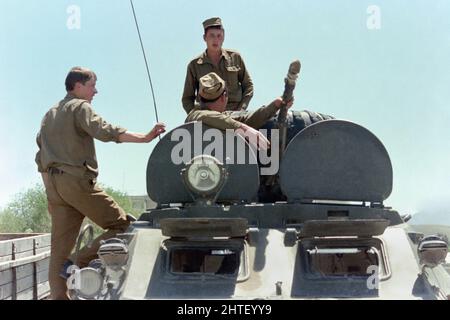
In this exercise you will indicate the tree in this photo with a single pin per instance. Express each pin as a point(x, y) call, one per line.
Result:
point(124, 202)
point(10, 223)
point(122, 199)
point(28, 211)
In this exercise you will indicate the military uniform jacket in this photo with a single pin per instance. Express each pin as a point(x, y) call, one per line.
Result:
point(66, 137)
point(231, 69)
point(229, 120)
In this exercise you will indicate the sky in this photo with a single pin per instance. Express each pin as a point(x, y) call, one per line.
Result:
point(382, 64)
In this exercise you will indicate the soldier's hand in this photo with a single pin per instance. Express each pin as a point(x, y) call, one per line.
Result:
point(158, 129)
point(255, 138)
point(279, 102)
point(262, 142)
point(289, 103)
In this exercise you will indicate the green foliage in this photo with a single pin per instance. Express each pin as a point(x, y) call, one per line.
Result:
point(28, 211)
point(10, 223)
point(122, 199)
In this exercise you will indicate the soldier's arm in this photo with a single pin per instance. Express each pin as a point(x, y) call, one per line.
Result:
point(223, 121)
point(188, 98)
point(214, 119)
point(95, 126)
point(253, 137)
point(247, 86)
point(143, 137)
point(258, 118)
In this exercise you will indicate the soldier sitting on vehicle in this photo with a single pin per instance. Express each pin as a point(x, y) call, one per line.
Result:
point(213, 96)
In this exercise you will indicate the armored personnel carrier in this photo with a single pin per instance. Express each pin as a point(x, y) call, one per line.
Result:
point(304, 220)
point(218, 233)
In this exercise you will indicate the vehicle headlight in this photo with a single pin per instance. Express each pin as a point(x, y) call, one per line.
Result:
point(90, 283)
point(113, 253)
point(432, 250)
point(204, 175)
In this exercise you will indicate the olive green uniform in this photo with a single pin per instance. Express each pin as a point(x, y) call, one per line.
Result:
point(231, 68)
point(227, 120)
point(67, 154)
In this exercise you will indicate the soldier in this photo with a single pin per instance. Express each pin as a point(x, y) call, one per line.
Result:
point(67, 161)
point(228, 64)
point(213, 94)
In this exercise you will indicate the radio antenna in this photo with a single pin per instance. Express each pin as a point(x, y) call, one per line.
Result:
point(146, 63)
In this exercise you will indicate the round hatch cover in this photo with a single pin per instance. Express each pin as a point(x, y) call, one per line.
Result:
point(336, 160)
point(171, 154)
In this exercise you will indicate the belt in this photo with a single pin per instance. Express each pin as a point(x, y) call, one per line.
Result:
point(53, 170)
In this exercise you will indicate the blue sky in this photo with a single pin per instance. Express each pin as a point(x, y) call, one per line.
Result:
point(394, 80)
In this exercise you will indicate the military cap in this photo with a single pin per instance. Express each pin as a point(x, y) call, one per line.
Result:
point(211, 22)
point(211, 86)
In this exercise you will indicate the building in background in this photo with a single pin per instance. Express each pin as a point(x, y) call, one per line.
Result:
point(142, 203)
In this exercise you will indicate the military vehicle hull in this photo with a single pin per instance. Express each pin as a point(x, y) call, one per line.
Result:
point(329, 236)
point(276, 263)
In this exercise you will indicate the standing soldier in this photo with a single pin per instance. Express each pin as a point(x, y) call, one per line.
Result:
point(68, 164)
point(228, 64)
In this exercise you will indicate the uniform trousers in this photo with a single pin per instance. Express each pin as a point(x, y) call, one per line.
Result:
point(70, 200)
